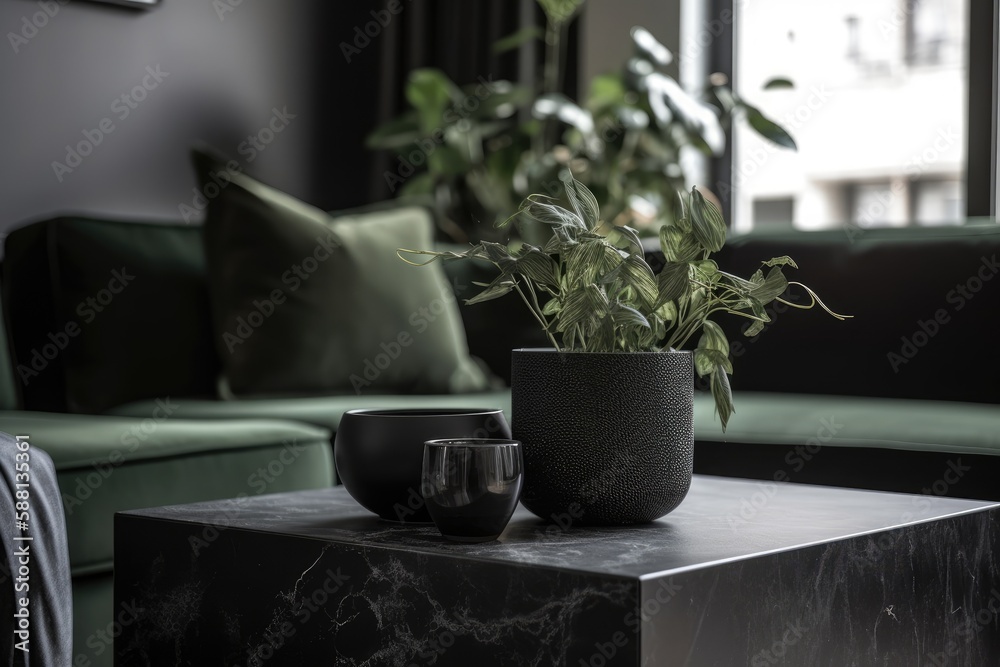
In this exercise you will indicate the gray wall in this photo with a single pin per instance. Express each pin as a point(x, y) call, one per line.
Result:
point(225, 77)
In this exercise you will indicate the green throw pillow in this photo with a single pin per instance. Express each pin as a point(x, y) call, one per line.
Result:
point(304, 302)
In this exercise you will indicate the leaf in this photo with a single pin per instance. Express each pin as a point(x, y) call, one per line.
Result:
point(605, 90)
point(760, 313)
point(667, 312)
point(678, 246)
point(706, 270)
point(589, 303)
point(538, 267)
point(590, 259)
point(583, 201)
point(546, 213)
point(723, 395)
point(498, 254)
point(397, 133)
point(516, 39)
point(707, 360)
point(559, 11)
point(418, 184)
point(707, 224)
point(496, 290)
point(713, 337)
point(778, 82)
point(553, 307)
point(473, 252)
point(430, 91)
point(555, 105)
point(773, 286)
point(637, 275)
point(620, 233)
point(504, 100)
point(754, 329)
point(650, 47)
point(781, 261)
point(622, 314)
point(446, 161)
point(768, 129)
point(672, 282)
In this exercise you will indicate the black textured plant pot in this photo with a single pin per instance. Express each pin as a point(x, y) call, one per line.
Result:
point(608, 438)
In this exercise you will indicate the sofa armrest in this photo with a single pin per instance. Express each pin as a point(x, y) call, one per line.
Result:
point(109, 464)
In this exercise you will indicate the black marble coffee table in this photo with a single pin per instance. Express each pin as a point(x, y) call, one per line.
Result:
point(742, 573)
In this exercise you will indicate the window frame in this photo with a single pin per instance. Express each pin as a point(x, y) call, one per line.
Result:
point(982, 180)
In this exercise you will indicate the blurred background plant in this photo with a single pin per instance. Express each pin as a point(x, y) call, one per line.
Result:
point(478, 149)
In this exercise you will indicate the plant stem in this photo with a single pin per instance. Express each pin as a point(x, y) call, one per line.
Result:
point(550, 74)
point(538, 315)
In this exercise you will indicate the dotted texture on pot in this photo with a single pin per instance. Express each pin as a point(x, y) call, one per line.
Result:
point(608, 437)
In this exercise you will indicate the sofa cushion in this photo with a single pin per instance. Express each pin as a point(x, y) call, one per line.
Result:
point(303, 302)
point(121, 313)
point(843, 421)
point(761, 417)
point(324, 411)
point(907, 446)
point(109, 464)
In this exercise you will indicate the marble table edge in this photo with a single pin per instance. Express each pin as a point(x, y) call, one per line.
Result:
point(653, 576)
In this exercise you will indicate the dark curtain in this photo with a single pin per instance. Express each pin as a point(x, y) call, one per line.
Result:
point(354, 96)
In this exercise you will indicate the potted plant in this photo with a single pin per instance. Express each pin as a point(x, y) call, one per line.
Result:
point(476, 150)
point(606, 415)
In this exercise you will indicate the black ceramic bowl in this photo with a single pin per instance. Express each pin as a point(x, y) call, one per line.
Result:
point(379, 453)
point(472, 486)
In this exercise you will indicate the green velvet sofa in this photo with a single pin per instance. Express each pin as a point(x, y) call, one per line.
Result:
point(902, 397)
point(112, 370)
point(105, 464)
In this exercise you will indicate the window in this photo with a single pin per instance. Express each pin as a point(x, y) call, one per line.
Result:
point(935, 33)
point(773, 213)
point(938, 203)
point(880, 110)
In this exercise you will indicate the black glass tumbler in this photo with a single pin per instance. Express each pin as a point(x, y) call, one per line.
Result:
point(472, 485)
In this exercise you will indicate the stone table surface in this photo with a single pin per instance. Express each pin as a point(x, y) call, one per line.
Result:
point(743, 572)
